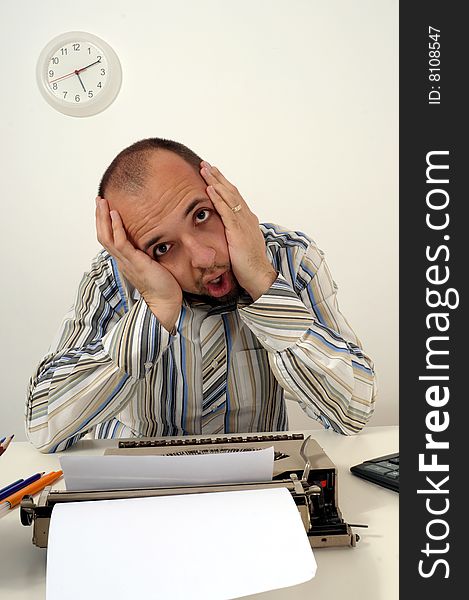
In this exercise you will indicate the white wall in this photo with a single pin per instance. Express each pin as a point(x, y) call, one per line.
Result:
point(295, 101)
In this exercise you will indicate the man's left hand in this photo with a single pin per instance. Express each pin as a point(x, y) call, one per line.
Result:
point(246, 243)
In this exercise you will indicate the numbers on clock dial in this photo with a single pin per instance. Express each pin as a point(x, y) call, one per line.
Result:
point(77, 72)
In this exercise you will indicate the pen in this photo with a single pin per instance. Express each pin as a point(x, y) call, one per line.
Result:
point(34, 488)
point(15, 488)
point(10, 485)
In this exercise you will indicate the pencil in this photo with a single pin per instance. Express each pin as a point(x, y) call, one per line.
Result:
point(10, 485)
point(19, 486)
point(4, 445)
point(34, 488)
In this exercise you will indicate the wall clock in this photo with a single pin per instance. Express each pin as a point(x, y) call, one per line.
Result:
point(79, 74)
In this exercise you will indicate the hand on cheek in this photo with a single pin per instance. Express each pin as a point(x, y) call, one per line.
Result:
point(246, 243)
point(157, 286)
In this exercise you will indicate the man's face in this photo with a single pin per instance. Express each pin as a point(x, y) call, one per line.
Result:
point(173, 221)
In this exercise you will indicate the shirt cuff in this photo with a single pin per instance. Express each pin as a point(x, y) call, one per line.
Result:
point(137, 341)
point(278, 318)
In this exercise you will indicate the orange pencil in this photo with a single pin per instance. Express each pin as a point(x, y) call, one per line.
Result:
point(34, 488)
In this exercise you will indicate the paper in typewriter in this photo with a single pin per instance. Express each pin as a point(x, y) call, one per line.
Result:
point(121, 472)
point(212, 546)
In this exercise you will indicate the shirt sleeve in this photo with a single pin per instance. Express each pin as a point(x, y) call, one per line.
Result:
point(313, 352)
point(100, 356)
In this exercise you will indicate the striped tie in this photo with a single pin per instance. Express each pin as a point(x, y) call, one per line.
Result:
point(213, 346)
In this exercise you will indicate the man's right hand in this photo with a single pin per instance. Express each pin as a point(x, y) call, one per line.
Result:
point(157, 286)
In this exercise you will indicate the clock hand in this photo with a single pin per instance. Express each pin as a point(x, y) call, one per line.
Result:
point(88, 66)
point(75, 72)
point(78, 75)
point(63, 77)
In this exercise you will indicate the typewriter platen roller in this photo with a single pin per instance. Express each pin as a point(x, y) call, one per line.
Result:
point(300, 465)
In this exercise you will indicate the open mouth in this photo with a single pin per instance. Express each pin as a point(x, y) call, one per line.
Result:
point(219, 286)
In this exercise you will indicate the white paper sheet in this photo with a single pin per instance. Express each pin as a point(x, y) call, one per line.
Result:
point(120, 472)
point(213, 546)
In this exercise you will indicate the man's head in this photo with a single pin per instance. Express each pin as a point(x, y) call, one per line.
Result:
point(156, 187)
point(129, 170)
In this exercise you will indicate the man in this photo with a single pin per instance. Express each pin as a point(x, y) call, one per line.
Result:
point(195, 318)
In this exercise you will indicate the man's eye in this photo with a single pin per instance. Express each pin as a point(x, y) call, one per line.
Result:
point(160, 250)
point(202, 215)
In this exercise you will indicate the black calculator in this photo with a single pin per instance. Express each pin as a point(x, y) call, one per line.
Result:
point(383, 471)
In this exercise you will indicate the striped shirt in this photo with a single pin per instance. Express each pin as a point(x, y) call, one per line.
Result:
point(114, 371)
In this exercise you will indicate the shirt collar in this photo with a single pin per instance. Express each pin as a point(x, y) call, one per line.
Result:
point(243, 300)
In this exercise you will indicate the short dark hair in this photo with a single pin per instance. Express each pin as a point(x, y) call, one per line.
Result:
point(128, 171)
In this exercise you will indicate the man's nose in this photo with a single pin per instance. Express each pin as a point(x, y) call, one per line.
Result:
point(201, 255)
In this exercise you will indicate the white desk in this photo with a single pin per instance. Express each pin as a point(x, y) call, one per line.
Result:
point(367, 572)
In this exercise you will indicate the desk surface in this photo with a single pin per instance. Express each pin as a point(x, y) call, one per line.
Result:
point(369, 571)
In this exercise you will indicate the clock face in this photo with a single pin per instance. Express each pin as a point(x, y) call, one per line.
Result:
point(79, 74)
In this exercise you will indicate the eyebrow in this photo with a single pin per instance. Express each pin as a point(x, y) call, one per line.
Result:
point(187, 212)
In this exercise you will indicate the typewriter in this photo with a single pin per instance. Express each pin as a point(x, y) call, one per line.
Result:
point(300, 465)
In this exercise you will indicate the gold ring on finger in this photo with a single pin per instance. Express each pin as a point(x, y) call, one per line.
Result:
point(236, 208)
